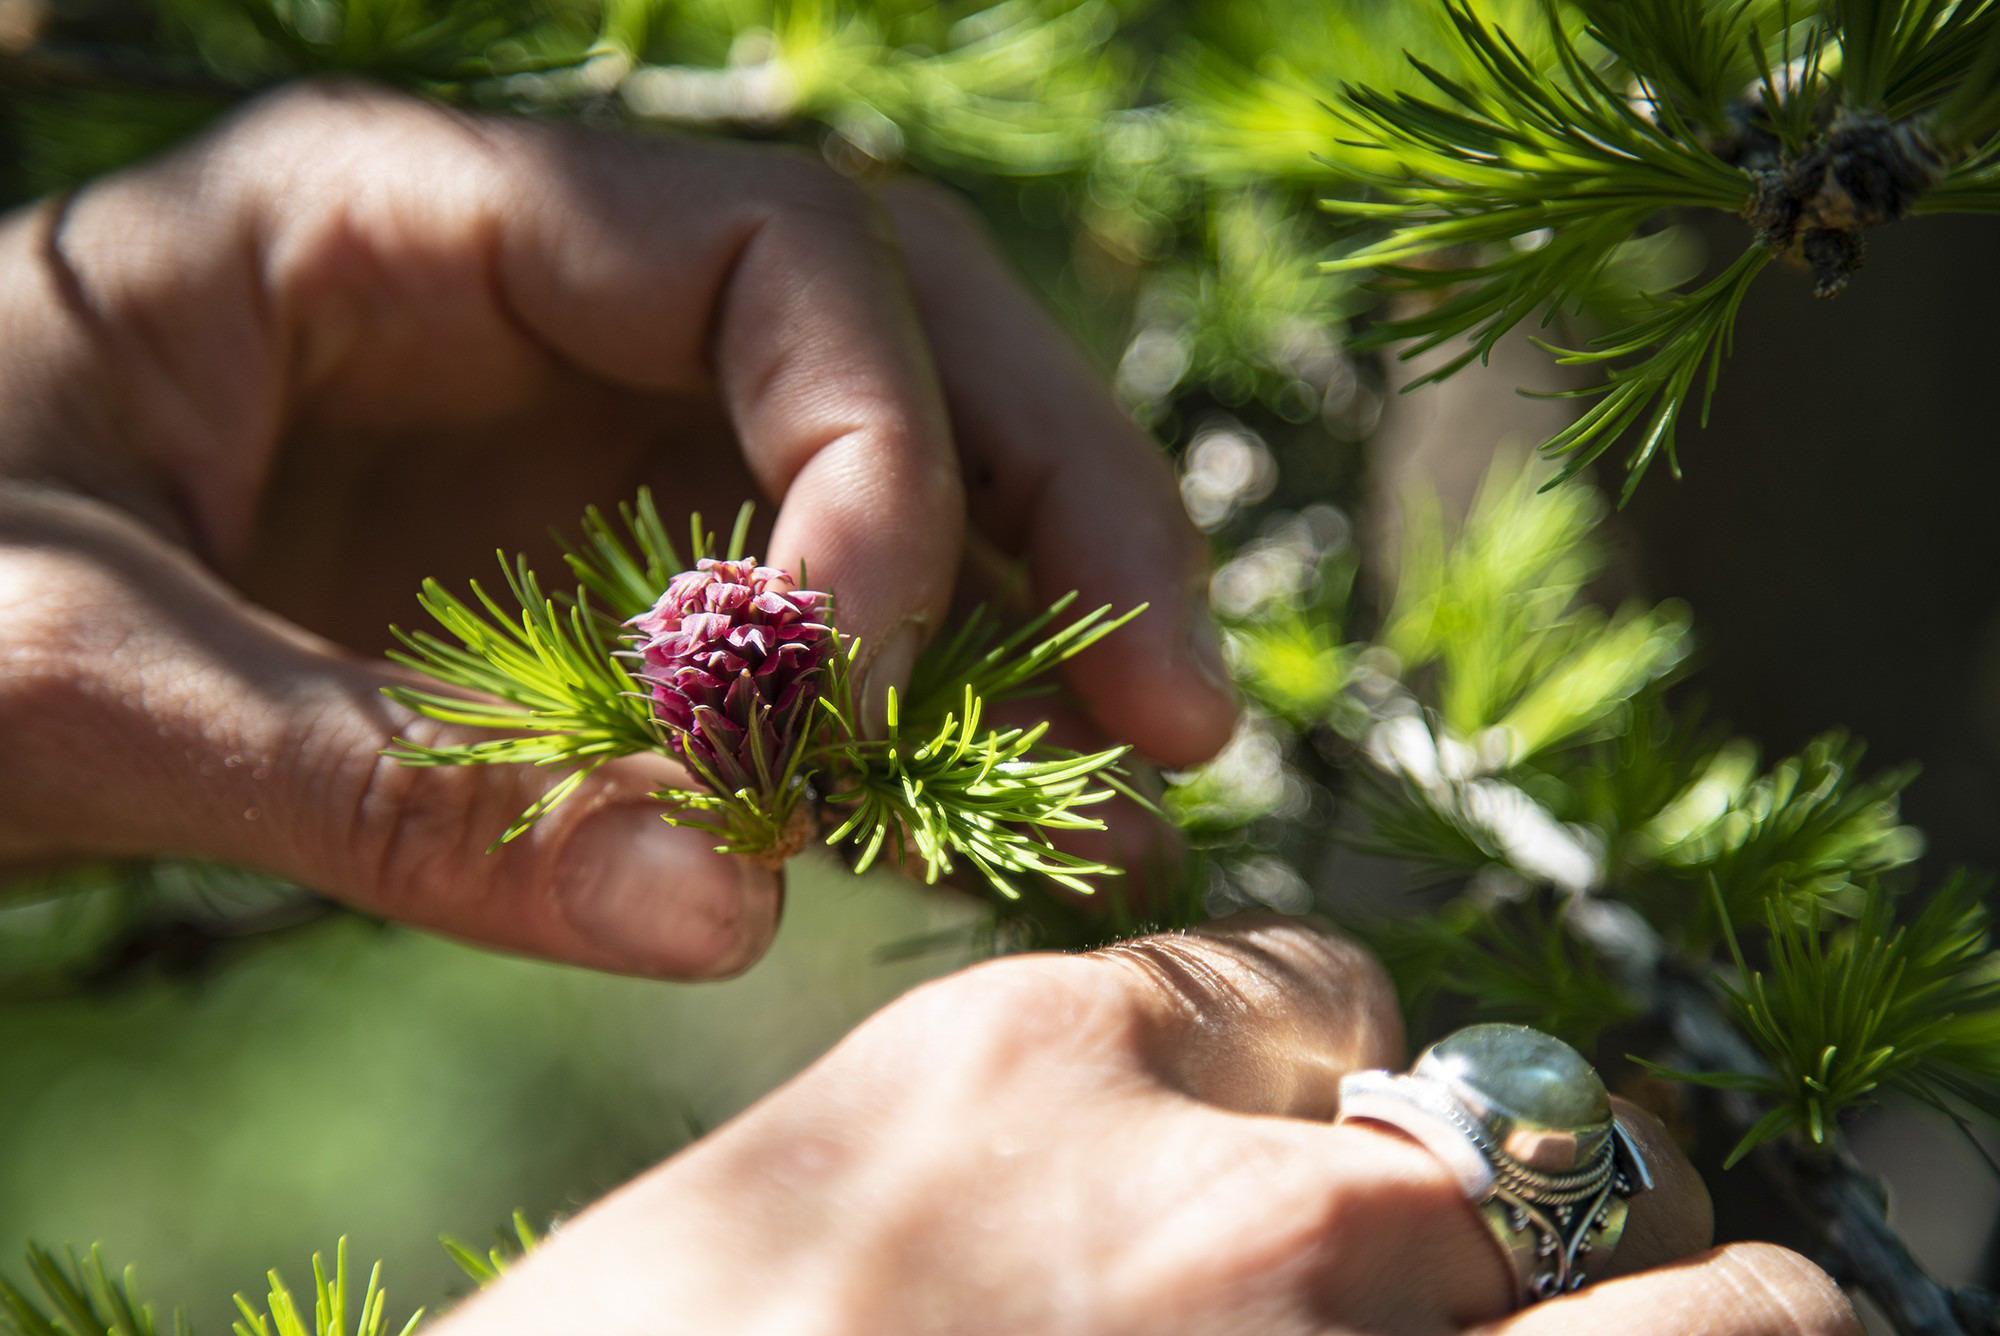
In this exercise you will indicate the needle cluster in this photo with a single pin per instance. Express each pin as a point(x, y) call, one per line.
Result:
point(740, 675)
point(1505, 191)
point(73, 1296)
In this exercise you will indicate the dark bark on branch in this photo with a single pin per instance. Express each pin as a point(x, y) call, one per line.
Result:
point(1840, 1200)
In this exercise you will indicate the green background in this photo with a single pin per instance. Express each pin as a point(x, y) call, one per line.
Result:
point(391, 1086)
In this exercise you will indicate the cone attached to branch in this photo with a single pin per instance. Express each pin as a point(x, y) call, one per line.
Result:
point(734, 655)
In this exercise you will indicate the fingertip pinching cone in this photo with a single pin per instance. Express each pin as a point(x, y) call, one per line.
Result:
point(734, 656)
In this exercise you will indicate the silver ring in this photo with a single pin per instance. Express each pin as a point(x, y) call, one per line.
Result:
point(1525, 1125)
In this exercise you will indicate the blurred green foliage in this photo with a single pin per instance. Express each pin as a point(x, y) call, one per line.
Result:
point(1504, 742)
point(382, 1085)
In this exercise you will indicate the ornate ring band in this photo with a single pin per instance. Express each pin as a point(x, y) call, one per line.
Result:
point(1525, 1125)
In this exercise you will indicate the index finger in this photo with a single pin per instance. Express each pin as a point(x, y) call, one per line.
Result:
point(785, 280)
point(1057, 474)
point(370, 240)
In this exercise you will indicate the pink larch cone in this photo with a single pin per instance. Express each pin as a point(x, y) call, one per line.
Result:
point(735, 657)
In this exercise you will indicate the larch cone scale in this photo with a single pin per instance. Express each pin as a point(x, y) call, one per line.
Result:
point(734, 655)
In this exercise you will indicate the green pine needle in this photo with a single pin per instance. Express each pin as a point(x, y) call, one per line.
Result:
point(509, 1247)
point(989, 796)
point(1692, 58)
point(1848, 1009)
point(1009, 89)
point(1678, 347)
point(546, 671)
point(281, 1315)
point(1544, 175)
point(1905, 56)
point(69, 1296)
point(626, 581)
point(1813, 828)
point(976, 657)
point(1569, 859)
point(563, 696)
point(1515, 963)
point(1498, 612)
point(1512, 186)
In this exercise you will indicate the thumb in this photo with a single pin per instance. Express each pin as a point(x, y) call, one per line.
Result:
point(147, 709)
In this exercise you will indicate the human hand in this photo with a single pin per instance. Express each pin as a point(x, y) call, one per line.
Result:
point(1130, 1141)
point(257, 390)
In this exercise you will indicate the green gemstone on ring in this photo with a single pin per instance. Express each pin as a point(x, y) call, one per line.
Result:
point(1529, 1078)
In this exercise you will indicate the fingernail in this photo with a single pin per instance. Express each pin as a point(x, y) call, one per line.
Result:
point(659, 900)
point(890, 668)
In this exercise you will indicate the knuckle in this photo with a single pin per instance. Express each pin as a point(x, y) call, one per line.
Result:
point(384, 149)
point(1005, 1010)
point(805, 186)
point(327, 106)
point(1231, 1009)
point(798, 202)
point(918, 202)
point(1338, 969)
point(306, 123)
point(397, 835)
point(313, 98)
point(378, 812)
point(1274, 965)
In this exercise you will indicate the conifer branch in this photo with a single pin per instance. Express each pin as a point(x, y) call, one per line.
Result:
point(548, 672)
point(1013, 89)
point(1516, 184)
point(990, 796)
point(1679, 346)
point(1843, 1204)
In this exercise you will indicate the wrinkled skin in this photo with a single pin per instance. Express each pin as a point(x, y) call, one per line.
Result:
point(1131, 1141)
